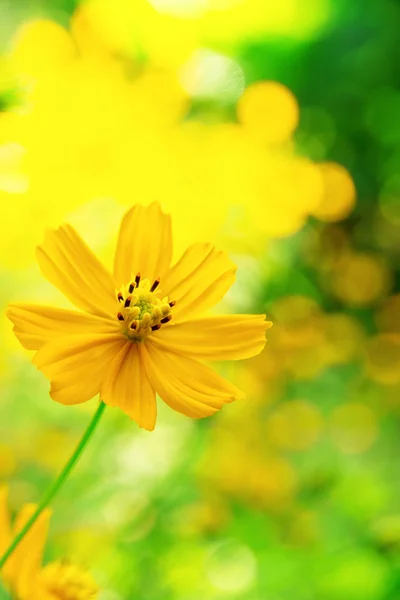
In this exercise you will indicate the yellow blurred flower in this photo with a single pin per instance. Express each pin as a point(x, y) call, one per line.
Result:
point(61, 581)
point(139, 333)
point(116, 103)
point(24, 575)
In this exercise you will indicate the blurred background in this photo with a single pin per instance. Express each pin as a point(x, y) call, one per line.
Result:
point(273, 130)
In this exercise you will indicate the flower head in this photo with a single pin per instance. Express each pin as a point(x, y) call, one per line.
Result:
point(23, 573)
point(139, 333)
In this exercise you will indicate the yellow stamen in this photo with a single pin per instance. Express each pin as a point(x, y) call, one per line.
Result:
point(156, 312)
point(143, 311)
point(135, 311)
point(165, 309)
point(146, 320)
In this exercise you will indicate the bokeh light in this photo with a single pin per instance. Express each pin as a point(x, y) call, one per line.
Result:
point(270, 110)
point(339, 195)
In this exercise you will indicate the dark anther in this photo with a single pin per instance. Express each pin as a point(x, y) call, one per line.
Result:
point(127, 302)
point(137, 279)
point(172, 303)
point(120, 297)
point(155, 284)
point(120, 316)
point(155, 327)
point(131, 288)
point(133, 325)
point(166, 319)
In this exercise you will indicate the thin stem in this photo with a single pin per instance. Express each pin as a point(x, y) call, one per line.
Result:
point(55, 487)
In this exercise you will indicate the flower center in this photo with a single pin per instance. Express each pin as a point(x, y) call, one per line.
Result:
point(142, 309)
point(63, 581)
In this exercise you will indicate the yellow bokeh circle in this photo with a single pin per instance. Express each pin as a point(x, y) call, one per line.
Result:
point(295, 425)
point(360, 279)
point(270, 110)
point(383, 358)
point(339, 196)
point(231, 567)
point(353, 428)
point(343, 336)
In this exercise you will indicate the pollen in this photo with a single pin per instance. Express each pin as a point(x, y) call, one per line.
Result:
point(65, 581)
point(141, 308)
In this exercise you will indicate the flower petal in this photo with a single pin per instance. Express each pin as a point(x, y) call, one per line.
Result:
point(35, 325)
point(199, 279)
point(186, 385)
point(225, 337)
point(69, 264)
point(127, 386)
point(77, 364)
point(24, 564)
point(144, 244)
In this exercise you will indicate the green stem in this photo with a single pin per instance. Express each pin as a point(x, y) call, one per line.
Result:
point(55, 487)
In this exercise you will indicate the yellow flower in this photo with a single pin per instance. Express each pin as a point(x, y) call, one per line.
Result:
point(140, 333)
point(23, 574)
